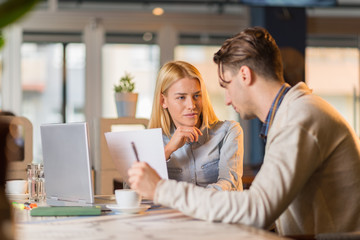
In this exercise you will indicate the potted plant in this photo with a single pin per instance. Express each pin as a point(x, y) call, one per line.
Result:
point(125, 99)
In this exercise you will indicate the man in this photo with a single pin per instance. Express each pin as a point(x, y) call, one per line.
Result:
point(309, 182)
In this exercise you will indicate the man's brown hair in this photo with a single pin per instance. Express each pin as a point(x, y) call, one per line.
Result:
point(253, 47)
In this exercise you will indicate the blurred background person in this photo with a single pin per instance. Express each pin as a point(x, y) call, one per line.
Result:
point(6, 224)
point(293, 65)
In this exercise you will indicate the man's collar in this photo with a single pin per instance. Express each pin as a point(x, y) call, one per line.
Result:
point(273, 109)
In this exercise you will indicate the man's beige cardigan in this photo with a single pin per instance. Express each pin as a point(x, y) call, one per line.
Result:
point(309, 182)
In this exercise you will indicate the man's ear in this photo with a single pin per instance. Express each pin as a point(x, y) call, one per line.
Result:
point(246, 75)
point(163, 101)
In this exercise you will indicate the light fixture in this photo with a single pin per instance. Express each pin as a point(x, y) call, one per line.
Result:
point(148, 36)
point(158, 11)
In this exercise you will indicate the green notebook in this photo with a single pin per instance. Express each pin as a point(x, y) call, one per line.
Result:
point(66, 211)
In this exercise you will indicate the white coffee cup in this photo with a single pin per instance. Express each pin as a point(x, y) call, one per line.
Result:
point(127, 198)
point(16, 187)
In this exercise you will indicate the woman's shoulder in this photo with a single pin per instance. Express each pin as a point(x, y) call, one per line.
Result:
point(227, 125)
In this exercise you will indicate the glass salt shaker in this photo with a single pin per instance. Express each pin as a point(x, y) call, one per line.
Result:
point(41, 196)
point(32, 179)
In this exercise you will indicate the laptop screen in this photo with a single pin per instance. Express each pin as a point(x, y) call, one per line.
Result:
point(66, 163)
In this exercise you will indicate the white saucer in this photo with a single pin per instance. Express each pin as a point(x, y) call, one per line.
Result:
point(116, 208)
point(17, 196)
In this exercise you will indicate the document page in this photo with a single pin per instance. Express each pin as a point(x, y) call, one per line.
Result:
point(147, 144)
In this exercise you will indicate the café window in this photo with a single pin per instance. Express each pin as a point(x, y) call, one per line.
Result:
point(333, 74)
point(53, 84)
point(140, 59)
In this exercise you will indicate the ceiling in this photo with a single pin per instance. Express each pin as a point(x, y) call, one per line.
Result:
point(190, 6)
point(343, 7)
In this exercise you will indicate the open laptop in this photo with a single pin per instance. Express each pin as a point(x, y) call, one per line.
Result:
point(67, 167)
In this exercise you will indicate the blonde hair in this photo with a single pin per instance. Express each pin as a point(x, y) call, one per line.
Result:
point(169, 74)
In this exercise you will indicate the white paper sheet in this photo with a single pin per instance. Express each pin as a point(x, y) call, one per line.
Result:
point(149, 145)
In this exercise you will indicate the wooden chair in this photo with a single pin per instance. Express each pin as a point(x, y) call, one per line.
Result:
point(327, 236)
point(18, 156)
point(249, 174)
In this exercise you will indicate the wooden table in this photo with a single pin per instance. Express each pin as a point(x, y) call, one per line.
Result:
point(158, 223)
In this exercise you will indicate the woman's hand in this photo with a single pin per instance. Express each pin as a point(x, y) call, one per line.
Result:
point(180, 137)
point(143, 179)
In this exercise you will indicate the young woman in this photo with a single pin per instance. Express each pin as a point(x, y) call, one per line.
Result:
point(198, 147)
